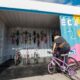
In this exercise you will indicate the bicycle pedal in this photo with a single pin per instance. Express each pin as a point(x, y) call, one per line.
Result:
point(63, 70)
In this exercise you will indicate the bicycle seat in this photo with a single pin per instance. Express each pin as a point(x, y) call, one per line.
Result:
point(64, 55)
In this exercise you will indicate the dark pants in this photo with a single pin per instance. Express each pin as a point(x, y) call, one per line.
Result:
point(59, 52)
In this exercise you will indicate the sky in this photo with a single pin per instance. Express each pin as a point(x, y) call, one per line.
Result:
point(69, 2)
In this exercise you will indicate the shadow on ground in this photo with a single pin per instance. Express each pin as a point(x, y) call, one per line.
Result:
point(5, 65)
point(9, 71)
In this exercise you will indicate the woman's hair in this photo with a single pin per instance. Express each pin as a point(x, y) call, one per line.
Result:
point(56, 33)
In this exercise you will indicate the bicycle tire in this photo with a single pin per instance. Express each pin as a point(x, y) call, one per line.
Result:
point(72, 66)
point(51, 68)
point(72, 62)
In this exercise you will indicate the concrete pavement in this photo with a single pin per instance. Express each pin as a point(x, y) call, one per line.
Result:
point(57, 76)
point(30, 72)
point(46, 77)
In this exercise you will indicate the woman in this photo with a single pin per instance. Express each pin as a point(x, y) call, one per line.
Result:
point(60, 45)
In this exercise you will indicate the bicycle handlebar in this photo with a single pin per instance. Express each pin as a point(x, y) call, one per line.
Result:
point(49, 52)
point(16, 49)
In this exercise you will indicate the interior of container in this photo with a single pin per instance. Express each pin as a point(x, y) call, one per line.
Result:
point(26, 31)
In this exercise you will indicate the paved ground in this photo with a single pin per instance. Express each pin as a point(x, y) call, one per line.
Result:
point(30, 72)
point(46, 77)
point(57, 76)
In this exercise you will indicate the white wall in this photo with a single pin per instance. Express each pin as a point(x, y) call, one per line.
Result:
point(4, 56)
point(2, 28)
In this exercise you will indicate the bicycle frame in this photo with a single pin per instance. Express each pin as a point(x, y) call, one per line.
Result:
point(56, 60)
point(64, 67)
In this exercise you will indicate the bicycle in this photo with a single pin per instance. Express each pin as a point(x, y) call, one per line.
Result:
point(68, 68)
point(17, 57)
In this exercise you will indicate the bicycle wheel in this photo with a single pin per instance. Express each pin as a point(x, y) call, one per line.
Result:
point(73, 63)
point(72, 66)
point(51, 68)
